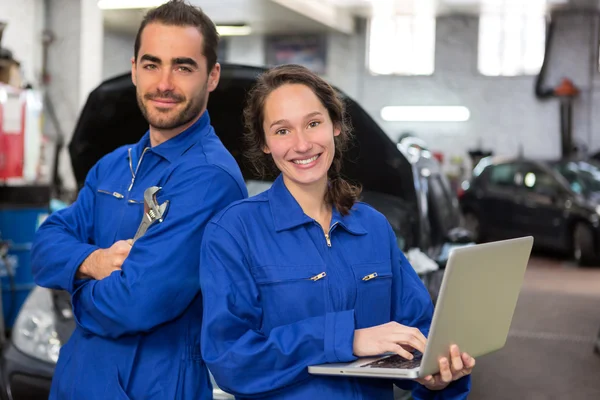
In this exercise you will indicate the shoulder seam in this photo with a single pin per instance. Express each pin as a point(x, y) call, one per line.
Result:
point(253, 199)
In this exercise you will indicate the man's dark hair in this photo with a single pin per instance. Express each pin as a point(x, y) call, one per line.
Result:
point(179, 13)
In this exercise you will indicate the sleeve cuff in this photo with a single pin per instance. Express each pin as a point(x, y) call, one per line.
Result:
point(79, 306)
point(76, 260)
point(339, 336)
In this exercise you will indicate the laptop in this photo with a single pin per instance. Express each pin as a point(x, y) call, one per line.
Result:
point(477, 300)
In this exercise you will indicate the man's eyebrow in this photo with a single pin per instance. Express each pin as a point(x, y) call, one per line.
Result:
point(148, 57)
point(185, 60)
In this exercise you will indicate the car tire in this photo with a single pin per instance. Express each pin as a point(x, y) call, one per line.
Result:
point(583, 244)
point(472, 224)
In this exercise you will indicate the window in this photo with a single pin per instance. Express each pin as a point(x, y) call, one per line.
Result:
point(402, 44)
point(582, 177)
point(538, 181)
point(503, 175)
point(512, 37)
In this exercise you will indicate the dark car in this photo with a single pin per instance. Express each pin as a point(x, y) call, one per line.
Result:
point(439, 208)
point(111, 118)
point(557, 202)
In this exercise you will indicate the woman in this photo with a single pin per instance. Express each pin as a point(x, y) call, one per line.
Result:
point(303, 274)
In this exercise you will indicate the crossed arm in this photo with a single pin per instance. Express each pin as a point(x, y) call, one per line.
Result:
point(158, 278)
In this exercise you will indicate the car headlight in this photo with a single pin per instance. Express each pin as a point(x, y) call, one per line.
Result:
point(598, 210)
point(34, 331)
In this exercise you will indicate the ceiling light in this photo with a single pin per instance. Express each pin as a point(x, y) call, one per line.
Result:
point(425, 113)
point(234, 30)
point(123, 4)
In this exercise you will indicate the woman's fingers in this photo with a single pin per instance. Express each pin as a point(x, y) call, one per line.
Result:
point(468, 361)
point(379, 339)
point(396, 348)
point(428, 381)
point(409, 338)
point(445, 372)
point(456, 360)
point(415, 333)
point(418, 335)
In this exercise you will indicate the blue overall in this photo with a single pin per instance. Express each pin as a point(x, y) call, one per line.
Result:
point(280, 295)
point(138, 330)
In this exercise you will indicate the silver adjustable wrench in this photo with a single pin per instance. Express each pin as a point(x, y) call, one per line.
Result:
point(152, 211)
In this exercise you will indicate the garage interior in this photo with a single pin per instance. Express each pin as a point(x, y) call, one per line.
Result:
point(488, 111)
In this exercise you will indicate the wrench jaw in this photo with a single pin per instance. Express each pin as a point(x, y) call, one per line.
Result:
point(150, 199)
point(162, 210)
point(152, 211)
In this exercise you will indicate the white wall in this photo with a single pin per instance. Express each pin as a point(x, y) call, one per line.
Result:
point(64, 69)
point(23, 35)
point(345, 63)
point(90, 48)
point(506, 116)
point(574, 54)
point(248, 50)
point(74, 66)
point(118, 50)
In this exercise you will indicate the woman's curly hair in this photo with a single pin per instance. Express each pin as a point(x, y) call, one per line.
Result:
point(340, 193)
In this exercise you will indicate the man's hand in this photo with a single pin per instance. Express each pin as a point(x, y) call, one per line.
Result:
point(102, 262)
point(391, 337)
point(451, 370)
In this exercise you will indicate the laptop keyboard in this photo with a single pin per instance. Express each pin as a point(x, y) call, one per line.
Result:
point(396, 361)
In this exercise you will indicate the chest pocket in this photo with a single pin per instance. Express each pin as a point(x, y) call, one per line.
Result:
point(290, 293)
point(116, 216)
point(109, 209)
point(373, 293)
point(134, 210)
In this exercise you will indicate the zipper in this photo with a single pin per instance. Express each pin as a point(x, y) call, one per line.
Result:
point(319, 276)
point(312, 278)
point(335, 298)
point(114, 194)
point(328, 235)
point(370, 276)
point(133, 174)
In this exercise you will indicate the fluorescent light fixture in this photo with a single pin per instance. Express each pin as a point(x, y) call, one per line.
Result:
point(224, 30)
point(425, 113)
point(234, 30)
point(124, 4)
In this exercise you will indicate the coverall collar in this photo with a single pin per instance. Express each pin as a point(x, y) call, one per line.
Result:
point(288, 214)
point(176, 146)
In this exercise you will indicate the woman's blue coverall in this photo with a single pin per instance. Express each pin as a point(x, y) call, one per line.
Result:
point(280, 295)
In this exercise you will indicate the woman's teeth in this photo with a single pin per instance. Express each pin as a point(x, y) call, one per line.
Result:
point(307, 161)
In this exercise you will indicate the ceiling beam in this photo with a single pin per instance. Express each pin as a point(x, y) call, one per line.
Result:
point(327, 14)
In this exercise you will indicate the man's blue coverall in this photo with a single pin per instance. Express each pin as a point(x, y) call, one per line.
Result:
point(138, 330)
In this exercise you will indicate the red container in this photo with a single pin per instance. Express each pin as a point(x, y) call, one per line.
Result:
point(12, 132)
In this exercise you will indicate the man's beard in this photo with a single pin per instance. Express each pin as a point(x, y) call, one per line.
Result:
point(171, 119)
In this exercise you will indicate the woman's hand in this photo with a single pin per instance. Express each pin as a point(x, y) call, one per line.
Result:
point(391, 337)
point(451, 370)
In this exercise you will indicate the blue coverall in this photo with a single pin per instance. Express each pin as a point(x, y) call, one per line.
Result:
point(138, 330)
point(280, 295)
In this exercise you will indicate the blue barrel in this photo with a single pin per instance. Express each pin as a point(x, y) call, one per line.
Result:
point(22, 210)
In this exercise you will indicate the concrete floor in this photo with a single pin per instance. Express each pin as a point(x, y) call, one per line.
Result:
point(549, 353)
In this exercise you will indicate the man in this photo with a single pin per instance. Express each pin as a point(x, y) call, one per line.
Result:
point(138, 308)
